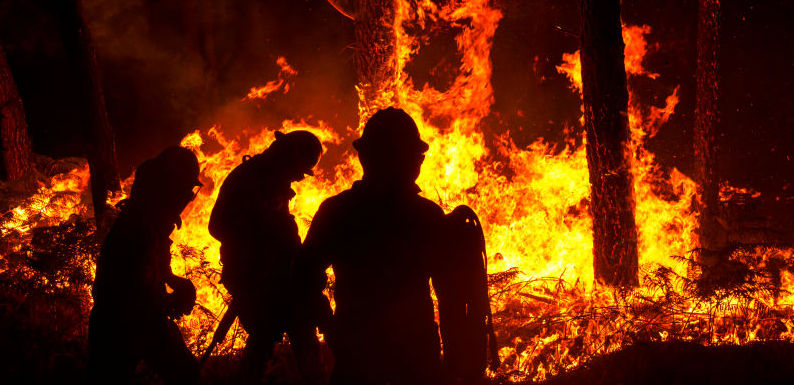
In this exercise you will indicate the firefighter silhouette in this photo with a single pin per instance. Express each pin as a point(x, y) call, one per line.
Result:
point(381, 238)
point(259, 239)
point(132, 315)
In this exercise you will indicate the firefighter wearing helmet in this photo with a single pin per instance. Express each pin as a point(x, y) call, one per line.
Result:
point(381, 238)
point(259, 239)
point(132, 317)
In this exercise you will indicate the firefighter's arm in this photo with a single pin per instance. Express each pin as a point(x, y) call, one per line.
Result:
point(153, 283)
point(181, 297)
point(441, 247)
point(227, 219)
point(170, 294)
point(312, 310)
point(235, 210)
point(309, 277)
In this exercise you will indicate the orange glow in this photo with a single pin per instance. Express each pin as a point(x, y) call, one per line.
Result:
point(533, 203)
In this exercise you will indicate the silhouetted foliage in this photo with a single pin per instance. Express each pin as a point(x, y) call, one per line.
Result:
point(45, 303)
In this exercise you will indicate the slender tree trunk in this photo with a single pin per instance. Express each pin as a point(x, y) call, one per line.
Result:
point(605, 99)
point(14, 136)
point(99, 135)
point(712, 235)
point(375, 41)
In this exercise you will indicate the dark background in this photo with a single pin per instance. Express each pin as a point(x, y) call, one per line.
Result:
point(161, 83)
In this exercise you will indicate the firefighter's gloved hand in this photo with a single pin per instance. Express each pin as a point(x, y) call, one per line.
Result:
point(181, 301)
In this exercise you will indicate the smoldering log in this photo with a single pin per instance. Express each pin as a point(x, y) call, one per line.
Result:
point(605, 97)
point(14, 137)
point(375, 39)
point(99, 136)
point(707, 119)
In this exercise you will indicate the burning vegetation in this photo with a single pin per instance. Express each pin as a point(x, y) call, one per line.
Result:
point(554, 310)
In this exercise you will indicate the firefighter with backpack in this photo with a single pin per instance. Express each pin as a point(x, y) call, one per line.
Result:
point(259, 239)
point(384, 243)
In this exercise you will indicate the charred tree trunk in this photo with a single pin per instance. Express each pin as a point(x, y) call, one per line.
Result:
point(14, 137)
point(711, 234)
point(605, 99)
point(101, 142)
point(375, 41)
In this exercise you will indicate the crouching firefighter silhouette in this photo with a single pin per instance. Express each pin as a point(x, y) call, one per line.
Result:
point(133, 308)
point(259, 239)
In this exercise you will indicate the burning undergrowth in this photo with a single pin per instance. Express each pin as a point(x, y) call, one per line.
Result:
point(545, 326)
point(551, 326)
point(49, 249)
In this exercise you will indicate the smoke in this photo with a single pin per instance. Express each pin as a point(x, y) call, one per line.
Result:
point(152, 80)
point(171, 67)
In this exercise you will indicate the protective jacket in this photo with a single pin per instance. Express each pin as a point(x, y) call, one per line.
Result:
point(259, 238)
point(129, 320)
point(134, 265)
point(383, 247)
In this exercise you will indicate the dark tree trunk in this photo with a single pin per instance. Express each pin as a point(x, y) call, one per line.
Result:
point(14, 137)
point(712, 235)
point(375, 42)
point(101, 142)
point(605, 99)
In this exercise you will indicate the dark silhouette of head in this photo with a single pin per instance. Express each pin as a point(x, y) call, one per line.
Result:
point(298, 152)
point(167, 183)
point(390, 149)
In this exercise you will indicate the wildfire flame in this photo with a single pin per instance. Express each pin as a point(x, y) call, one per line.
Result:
point(53, 203)
point(532, 202)
point(285, 72)
point(536, 220)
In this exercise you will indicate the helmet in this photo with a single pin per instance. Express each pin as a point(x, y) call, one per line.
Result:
point(179, 166)
point(388, 129)
point(301, 146)
point(176, 168)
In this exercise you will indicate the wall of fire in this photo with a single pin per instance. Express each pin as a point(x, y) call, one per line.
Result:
point(172, 66)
